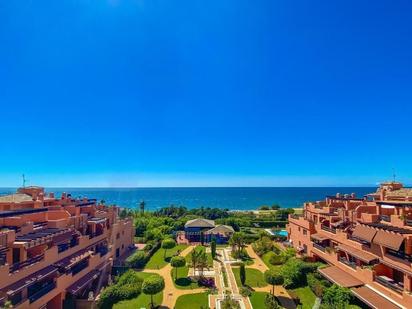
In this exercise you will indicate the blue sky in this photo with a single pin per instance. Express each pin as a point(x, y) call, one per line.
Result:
point(205, 93)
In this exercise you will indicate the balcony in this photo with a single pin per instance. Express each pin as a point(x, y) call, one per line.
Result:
point(385, 218)
point(93, 235)
point(399, 254)
point(328, 229)
point(389, 283)
point(347, 262)
point(30, 261)
point(319, 247)
point(79, 267)
point(408, 222)
point(361, 241)
point(43, 291)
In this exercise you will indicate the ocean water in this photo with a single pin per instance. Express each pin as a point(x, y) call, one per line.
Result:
point(230, 198)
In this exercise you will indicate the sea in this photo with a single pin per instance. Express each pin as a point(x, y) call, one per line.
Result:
point(231, 198)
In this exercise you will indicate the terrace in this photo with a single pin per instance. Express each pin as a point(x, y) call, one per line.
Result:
point(390, 283)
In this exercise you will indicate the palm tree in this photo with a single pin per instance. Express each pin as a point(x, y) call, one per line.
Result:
point(194, 259)
point(238, 242)
point(202, 262)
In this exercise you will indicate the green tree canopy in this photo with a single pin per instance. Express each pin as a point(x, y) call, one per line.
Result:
point(153, 285)
point(336, 297)
point(176, 262)
point(273, 278)
point(168, 243)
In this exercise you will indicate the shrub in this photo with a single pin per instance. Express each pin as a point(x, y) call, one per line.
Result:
point(292, 273)
point(277, 259)
point(336, 297)
point(315, 285)
point(129, 277)
point(245, 291)
point(271, 302)
point(263, 245)
point(207, 282)
point(264, 207)
point(137, 259)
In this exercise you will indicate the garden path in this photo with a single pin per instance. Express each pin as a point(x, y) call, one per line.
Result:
point(280, 292)
point(170, 292)
point(258, 263)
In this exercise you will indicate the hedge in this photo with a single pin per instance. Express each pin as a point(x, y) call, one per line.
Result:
point(270, 223)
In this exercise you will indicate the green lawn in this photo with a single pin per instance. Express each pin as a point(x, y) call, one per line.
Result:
point(142, 301)
point(254, 277)
point(183, 282)
point(193, 301)
point(266, 259)
point(158, 259)
point(258, 299)
point(307, 297)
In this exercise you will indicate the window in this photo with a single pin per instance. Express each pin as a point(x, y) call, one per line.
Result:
point(117, 235)
point(305, 231)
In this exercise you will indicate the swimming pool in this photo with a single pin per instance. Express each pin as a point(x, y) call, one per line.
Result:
point(283, 233)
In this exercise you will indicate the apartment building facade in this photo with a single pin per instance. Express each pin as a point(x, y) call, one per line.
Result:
point(57, 252)
point(367, 243)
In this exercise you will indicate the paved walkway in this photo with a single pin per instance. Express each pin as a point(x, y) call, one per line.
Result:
point(280, 292)
point(170, 292)
point(258, 263)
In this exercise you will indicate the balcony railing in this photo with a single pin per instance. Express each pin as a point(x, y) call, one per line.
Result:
point(43, 291)
point(79, 267)
point(25, 263)
point(319, 247)
point(385, 218)
point(399, 255)
point(328, 229)
point(347, 262)
point(389, 284)
point(361, 241)
point(408, 222)
point(93, 235)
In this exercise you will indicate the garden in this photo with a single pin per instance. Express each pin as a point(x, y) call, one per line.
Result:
point(133, 290)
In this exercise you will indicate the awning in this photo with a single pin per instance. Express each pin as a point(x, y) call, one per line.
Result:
point(373, 299)
point(76, 287)
point(389, 240)
point(338, 276)
point(319, 237)
point(364, 233)
point(361, 255)
point(23, 283)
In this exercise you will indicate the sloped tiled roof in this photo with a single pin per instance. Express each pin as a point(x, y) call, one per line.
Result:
point(200, 222)
point(221, 229)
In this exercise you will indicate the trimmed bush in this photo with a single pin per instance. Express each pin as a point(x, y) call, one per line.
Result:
point(137, 259)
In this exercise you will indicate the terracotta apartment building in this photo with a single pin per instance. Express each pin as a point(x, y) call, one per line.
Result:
point(366, 241)
point(57, 252)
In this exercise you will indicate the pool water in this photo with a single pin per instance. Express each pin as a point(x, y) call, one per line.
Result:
point(283, 233)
